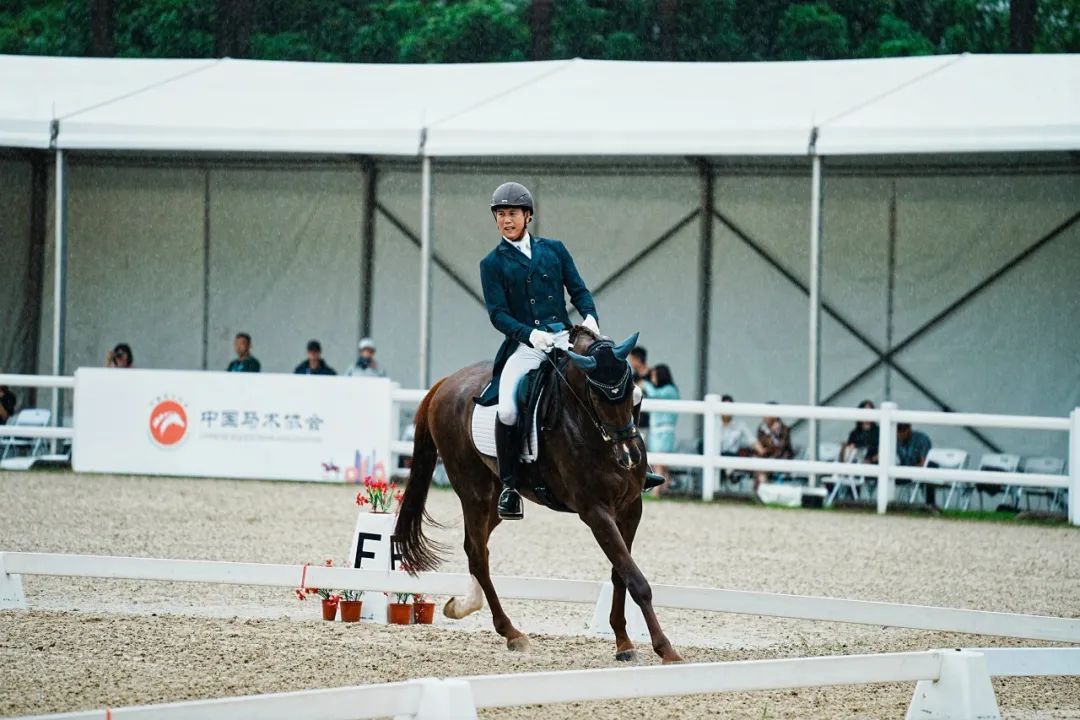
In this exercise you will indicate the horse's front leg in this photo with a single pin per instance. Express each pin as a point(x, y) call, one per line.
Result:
point(607, 534)
point(624, 646)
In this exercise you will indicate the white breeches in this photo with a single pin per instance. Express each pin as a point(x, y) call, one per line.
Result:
point(524, 359)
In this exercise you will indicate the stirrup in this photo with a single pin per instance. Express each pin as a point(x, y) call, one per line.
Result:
point(510, 506)
point(653, 480)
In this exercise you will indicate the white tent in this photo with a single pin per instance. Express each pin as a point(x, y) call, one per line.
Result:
point(938, 104)
point(577, 108)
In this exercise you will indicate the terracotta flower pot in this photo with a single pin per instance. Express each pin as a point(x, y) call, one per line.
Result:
point(350, 610)
point(424, 612)
point(400, 613)
point(329, 609)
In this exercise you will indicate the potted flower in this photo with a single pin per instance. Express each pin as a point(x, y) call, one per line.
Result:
point(329, 597)
point(400, 611)
point(378, 494)
point(351, 603)
point(423, 609)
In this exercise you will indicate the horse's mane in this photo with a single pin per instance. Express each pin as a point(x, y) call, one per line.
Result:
point(579, 330)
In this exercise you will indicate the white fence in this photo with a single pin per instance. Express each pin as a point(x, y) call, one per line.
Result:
point(1033, 627)
point(711, 462)
point(951, 683)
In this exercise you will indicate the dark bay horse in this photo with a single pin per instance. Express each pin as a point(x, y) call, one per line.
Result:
point(592, 459)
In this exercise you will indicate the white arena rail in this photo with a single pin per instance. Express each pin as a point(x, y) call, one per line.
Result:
point(979, 622)
point(711, 462)
point(951, 684)
point(62, 382)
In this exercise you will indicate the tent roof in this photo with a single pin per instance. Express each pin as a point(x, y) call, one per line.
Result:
point(36, 90)
point(932, 104)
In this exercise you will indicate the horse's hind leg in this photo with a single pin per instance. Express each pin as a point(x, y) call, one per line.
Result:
point(608, 535)
point(479, 507)
point(483, 519)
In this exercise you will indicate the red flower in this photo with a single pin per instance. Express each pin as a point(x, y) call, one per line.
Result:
point(361, 500)
point(398, 495)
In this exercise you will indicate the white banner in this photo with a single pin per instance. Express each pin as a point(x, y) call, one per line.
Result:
point(242, 425)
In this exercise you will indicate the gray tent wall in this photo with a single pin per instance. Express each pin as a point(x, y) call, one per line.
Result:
point(285, 245)
point(22, 175)
point(176, 256)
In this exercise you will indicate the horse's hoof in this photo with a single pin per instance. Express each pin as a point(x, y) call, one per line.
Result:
point(448, 611)
point(626, 655)
point(518, 644)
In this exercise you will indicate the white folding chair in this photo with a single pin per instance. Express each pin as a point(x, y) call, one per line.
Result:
point(1044, 465)
point(828, 452)
point(946, 459)
point(995, 462)
point(30, 417)
point(854, 483)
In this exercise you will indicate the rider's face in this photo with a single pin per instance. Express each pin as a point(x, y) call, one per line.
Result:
point(511, 222)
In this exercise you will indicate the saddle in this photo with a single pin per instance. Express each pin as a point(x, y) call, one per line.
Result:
point(539, 409)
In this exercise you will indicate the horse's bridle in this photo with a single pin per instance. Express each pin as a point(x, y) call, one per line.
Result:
point(615, 391)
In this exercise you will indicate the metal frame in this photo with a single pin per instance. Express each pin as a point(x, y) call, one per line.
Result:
point(206, 270)
point(367, 251)
point(59, 278)
point(887, 356)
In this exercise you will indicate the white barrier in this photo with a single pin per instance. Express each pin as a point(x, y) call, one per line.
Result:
point(711, 462)
point(865, 612)
point(887, 417)
point(951, 684)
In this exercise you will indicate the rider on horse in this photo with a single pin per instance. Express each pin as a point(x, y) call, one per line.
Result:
point(523, 280)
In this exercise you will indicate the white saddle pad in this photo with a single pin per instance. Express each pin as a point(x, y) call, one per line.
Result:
point(483, 431)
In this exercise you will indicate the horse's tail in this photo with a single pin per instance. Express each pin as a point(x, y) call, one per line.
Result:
point(419, 552)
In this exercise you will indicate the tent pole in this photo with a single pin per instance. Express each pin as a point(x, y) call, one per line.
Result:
point(59, 282)
point(815, 304)
point(705, 278)
point(367, 250)
point(890, 290)
point(425, 272)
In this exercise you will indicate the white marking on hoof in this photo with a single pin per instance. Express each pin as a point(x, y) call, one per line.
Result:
point(518, 644)
point(458, 608)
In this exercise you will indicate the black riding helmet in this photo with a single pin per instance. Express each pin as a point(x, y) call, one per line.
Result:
point(511, 194)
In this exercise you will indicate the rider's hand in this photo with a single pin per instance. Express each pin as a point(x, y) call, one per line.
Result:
point(590, 322)
point(541, 340)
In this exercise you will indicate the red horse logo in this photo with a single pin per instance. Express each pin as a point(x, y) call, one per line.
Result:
point(168, 423)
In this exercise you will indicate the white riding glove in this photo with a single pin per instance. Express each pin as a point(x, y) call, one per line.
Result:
point(541, 340)
point(590, 322)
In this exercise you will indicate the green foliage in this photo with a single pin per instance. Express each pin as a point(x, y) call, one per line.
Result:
point(388, 31)
point(707, 31)
point(1058, 27)
point(812, 32)
point(165, 28)
point(465, 32)
point(44, 28)
point(894, 38)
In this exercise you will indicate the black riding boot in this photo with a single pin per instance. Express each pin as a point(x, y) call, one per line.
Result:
point(651, 479)
point(508, 453)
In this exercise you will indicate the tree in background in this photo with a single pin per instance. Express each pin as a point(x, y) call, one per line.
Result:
point(814, 32)
point(388, 31)
point(102, 31)
point(466, 31)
